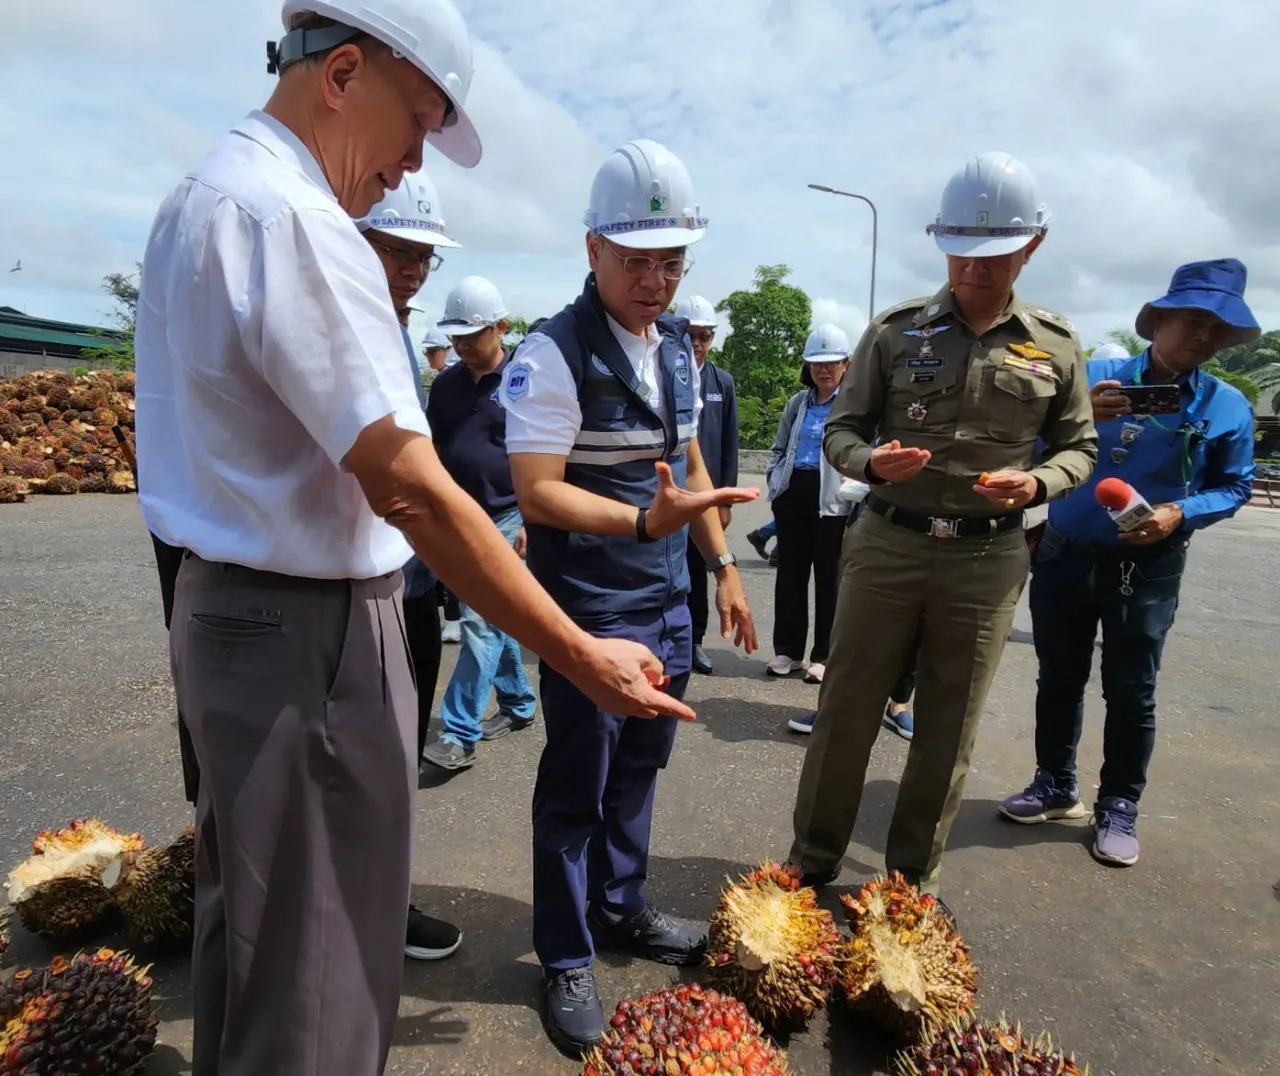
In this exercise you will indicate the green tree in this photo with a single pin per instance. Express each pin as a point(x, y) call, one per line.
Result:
point(770, 321)
point(116, 350)
point(1127, 339)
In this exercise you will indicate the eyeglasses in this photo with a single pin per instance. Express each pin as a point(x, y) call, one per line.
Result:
point(428, 263)
point(637, 265)
point(702, 336)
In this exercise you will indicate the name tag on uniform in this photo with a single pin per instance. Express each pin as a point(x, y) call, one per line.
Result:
point(922, 376)
point(926, 362)
point(715, 397)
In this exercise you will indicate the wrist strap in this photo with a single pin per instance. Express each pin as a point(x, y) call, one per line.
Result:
point(642, 535)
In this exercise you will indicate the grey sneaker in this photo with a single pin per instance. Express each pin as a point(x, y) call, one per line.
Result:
point(1116, 839)
point(1043, 801)
point(502, 724)
point(450, 755)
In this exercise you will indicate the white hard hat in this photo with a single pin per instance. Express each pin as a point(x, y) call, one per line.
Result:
point(434, 339)
point(431, 34)
point(827, 343)
point(642, 198)
point(989, 208)
point(411, 211)
point(472, 306)
point(697, 311)
point(1111, 351)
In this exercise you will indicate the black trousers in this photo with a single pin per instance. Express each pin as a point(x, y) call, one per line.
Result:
point(446, 597)
point(422, 629)
point(807, 544)
point(168, 561)
point(698, 610)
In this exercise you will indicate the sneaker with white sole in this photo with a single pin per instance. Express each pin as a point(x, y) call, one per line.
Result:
point(451, 632)
point(1115, 840)
point(784, 666)
point(815, 673)
point(430, 939)
point(804, 724)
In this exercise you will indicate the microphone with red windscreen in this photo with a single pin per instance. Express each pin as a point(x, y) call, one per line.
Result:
point(1125, 505)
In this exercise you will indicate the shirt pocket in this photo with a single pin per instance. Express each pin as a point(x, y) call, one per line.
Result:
point(1018, 404)
point(910, 390)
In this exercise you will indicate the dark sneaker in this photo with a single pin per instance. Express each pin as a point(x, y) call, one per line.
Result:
point(571, 1012)
point(817, 879)
point(450, 755)
point(773, 558)
point(430, 939)
point(903, 723)
point(1116, 839)
point(701, 663)
point(760, 545)
point(502, 724)
point(651, 935)
point(1043, 801)
point(804, 724)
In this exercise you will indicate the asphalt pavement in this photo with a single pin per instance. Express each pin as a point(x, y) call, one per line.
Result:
point(1171, 967)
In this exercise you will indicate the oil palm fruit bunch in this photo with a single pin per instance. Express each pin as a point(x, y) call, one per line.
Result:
point(58, 892)
point(684, 1031)
point(90, 1014)
point(4, 932)
point(772, 947)
point(989, 1049)
point(154, 888)
point(905, 967)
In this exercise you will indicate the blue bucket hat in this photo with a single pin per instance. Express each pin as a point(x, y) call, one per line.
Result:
point(1216, 286)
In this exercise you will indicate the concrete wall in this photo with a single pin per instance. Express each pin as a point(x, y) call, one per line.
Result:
point(13, 363)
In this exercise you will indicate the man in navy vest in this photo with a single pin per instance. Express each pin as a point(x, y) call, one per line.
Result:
point(718, 441)
point(602, 410)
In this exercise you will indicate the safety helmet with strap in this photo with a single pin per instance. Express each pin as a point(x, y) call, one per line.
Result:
point(697, 311)
point(472, 306)
point(827, 343)
point(642, 198)
point(989, 208)
point(411, 211)
point(430, 34)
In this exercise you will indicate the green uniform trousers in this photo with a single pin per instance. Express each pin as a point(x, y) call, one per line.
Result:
point(961, 594)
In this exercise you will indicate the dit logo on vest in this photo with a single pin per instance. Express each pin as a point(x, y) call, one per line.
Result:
point(682, 368)
point(518, 381)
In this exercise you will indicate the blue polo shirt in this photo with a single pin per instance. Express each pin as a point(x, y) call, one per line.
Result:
point(1200, 459)
point(809, 444)
point(469, 430)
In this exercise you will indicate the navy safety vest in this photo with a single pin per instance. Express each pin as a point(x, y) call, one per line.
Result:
point(622, 437)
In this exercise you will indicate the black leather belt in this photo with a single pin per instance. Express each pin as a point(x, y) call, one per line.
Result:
point(945, 526)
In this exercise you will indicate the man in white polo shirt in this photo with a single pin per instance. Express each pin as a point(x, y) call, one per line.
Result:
point(281, 444)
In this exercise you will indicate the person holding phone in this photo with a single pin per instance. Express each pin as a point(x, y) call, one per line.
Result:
point(1195, 467)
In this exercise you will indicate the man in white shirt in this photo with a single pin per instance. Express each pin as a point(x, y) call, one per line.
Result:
point(602, 408)
point(281, 444)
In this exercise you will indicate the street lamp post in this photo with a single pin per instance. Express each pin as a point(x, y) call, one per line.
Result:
point(875, 236)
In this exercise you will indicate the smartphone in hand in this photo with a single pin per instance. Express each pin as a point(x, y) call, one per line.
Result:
point(1150, 399)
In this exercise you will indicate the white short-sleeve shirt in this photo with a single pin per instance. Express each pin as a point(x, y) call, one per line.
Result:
point(546, 418)
point(266, 341)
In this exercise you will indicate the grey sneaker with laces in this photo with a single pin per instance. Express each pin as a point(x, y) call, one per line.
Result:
point(1044, 800)
point(1115, 840)
point(571, 1010)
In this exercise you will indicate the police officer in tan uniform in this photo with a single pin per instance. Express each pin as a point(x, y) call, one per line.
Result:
point(940, 413)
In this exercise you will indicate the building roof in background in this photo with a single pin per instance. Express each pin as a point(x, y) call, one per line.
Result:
point(22, 333)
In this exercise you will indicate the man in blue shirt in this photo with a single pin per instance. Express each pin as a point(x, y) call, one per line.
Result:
point(1194, 468)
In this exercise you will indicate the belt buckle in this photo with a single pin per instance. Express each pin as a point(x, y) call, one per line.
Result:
point(940, 527)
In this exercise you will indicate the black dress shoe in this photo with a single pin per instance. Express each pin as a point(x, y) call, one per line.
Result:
point(651, 935)
point(701, 663)
point(571, 1010)
point(817, 879)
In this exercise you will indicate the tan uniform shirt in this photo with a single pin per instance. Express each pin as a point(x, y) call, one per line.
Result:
point(920, 376)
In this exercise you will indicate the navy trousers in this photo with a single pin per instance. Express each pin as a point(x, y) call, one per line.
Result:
point(593, 800)
point(1133, 593)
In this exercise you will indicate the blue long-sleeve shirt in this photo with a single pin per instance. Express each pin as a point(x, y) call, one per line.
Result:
point(1200, 459)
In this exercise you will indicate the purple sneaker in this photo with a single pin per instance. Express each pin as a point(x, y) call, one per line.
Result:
point(1116, 839)
point(1043, 801)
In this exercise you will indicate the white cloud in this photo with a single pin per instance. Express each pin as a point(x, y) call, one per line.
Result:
point(851, 319)
point(1148, 155)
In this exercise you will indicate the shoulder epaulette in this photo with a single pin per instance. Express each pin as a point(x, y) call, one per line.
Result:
point(902, 308)
point(1053, 320)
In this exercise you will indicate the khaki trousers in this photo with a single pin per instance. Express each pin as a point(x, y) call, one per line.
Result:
point(961, 594)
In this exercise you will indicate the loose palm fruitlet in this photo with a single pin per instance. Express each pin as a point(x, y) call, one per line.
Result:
point(772, 947)
point(90, 1014)
point(154, 888)
point(905, 968)
point(58, 892)
point(684, 1031)
point(988, 1049)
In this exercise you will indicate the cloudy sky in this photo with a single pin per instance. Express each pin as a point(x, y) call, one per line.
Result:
point(1153, 127)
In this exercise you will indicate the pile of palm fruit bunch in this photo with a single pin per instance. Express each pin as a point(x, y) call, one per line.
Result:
point(58, 434)
point(90, 1014)
point(4, 932)
point(684, 1031)
point(771, 946)
point(80, 875)
point(987, 1049)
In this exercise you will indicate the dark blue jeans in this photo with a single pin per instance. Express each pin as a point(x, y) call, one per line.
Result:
point(1134, 594)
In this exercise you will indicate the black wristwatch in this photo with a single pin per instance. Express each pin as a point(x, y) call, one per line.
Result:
point(642, 534)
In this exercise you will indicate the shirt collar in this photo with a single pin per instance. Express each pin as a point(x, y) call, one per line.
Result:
point(637, 348)
point(283, 144)
point(943, 304)
point(1143, 365)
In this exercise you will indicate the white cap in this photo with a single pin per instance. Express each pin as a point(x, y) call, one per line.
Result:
point(697, 311)
point(411, 211)
point(642, 198)
point(827, 343)
point(472, 306)
point(434, 339)
point(989, 208)
point(431, 34)
point(1111, 351)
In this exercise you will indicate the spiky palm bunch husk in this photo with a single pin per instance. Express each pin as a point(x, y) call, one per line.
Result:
point(4, 932)
point(58, 892)
point(13, 490)
point(684, 1031)
point(771, 946)
point(987, 1048)
point(62, 484)
point(905, 967)
point(90, 1014)
point(154, 888)
point(121, 482)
